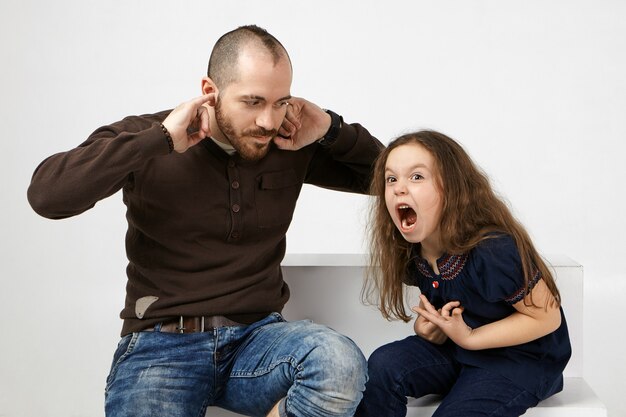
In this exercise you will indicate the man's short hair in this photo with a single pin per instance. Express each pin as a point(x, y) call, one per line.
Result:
point(223, 62)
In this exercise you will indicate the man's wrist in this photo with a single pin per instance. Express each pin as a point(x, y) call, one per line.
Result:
point(168, 137)
point(331, 135)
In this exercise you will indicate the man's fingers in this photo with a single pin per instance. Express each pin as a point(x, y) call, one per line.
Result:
point(284, 133)
point(292, 118)
point(199, 101)
point(285, 143)
point(195, 109)
point(287, 128)
point(203, 125)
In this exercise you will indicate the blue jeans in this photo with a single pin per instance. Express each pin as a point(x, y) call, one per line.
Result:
point(245, 369)
point(415, 367)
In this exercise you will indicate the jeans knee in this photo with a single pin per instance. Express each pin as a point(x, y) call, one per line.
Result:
point(331, 376)
point(349, 360)
point(341, 358)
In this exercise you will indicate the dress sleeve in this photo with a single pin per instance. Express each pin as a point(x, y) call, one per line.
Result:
point(497, 272)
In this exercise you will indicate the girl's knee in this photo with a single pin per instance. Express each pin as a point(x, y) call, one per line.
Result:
point(388, 356)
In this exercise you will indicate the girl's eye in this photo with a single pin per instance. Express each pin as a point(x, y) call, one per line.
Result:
point(416, 177)
point(390, 179)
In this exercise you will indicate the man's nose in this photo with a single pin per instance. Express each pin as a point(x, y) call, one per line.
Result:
point(265, 119)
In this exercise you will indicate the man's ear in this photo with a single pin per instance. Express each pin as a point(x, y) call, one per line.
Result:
point(209, 87)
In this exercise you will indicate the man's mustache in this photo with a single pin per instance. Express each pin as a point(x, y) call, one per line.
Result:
point(260, 132)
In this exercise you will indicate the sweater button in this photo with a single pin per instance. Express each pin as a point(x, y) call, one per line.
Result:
point(235, 184)
point(236, 208)
point(435, 284)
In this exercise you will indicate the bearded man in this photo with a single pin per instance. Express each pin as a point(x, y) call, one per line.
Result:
point(210, 189)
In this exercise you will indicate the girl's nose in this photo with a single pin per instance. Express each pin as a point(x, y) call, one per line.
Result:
point(400, 188)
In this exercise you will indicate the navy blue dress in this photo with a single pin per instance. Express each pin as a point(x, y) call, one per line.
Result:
point(488, 281)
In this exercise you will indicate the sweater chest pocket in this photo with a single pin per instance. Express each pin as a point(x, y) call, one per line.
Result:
point(275, 197)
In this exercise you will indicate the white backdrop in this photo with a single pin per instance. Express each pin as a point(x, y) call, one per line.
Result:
point(535, 90)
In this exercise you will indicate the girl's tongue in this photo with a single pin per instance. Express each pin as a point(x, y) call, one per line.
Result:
point(407, 217)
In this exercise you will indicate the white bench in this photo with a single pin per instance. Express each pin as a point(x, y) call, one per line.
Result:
point(326, 289)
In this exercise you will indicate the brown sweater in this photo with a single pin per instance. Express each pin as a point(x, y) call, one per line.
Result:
point(206, 231)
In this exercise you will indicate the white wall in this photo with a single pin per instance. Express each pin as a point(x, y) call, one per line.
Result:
point(534, 89)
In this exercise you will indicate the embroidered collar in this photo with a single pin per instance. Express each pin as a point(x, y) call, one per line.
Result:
point(450, 266)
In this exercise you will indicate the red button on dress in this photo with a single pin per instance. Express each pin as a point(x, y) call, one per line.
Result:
point(435, 284)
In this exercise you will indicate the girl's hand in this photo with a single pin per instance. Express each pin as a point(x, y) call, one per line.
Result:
point(449, 320)
point(427, 330)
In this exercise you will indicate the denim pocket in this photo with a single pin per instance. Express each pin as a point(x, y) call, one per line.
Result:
point(124, 348)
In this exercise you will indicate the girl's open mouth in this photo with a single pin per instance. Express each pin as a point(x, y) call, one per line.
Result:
point(407, 216)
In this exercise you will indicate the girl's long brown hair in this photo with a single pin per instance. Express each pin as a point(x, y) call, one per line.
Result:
point(471, 210)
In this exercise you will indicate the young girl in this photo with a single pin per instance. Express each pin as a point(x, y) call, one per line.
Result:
point(490, 337)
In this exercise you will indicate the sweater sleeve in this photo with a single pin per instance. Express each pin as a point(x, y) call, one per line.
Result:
point(347, 164)
point(69, 183)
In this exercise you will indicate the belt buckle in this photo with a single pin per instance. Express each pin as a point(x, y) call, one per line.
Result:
point(181, 325)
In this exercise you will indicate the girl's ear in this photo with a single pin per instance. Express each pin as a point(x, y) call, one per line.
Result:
point(209, 87)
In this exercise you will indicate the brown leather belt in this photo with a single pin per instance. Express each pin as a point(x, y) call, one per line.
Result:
point(200, 324)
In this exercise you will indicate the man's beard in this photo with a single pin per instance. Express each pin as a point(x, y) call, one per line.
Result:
point(248, 150)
